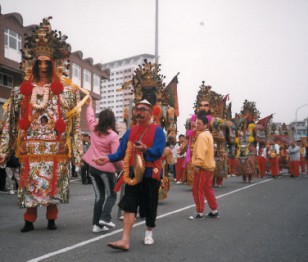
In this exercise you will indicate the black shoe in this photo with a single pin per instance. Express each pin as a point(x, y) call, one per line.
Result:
point(89, 180)
point(196, 216)
point(27, 227)
point(51, 225)
point(212, 215)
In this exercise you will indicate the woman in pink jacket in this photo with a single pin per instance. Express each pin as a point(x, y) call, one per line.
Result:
point(104, 140)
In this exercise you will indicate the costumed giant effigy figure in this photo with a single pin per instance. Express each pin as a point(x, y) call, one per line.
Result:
point(147, 83)
point(218, 113)
point(43, 125)
point(246, 165)
point(261, 131)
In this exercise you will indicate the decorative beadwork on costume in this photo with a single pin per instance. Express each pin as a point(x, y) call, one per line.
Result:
point(43, 93)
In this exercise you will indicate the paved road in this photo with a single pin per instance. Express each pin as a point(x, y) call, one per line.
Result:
point(263, 221)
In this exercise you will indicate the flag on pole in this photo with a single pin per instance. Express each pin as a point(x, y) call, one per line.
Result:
point(265, 121)
point(171, 94)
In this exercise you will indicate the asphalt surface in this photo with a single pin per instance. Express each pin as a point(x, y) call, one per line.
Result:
point(263, 221)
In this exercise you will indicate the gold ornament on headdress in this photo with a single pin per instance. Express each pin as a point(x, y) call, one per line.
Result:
point(217, 102)
point(147, 75)
point(45, 41)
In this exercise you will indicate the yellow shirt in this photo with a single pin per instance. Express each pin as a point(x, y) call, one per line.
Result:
point(203, 153)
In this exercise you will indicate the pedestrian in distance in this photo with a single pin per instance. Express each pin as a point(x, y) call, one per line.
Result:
point(294, 160)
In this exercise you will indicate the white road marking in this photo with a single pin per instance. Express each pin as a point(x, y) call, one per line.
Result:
point(83, 243)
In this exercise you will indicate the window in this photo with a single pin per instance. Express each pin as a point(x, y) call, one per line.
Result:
point(76, 74)
point(76, 70)
point(12, 44)
point(96, 83)
point(87, 79)
point(6, 80)
point(12, 39)
point(86, 75)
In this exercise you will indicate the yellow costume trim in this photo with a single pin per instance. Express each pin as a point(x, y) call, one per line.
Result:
point(130, 181)
point(44, 158)
point(6, 105)
point(18, 144)
point(76, 110)
point(68, 142)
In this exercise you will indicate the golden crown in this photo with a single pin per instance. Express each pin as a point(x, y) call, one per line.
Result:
point(147, 76)
point(45, 41)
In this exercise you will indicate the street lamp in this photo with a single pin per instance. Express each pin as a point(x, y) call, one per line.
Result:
point(296, 118)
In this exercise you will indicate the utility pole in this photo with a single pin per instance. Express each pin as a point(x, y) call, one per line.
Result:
point(156, 32)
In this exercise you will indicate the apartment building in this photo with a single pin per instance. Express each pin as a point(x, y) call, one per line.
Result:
point(299, 128)
point(121, 71)
point(82, 70)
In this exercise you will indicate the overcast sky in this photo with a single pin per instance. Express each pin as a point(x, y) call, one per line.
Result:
point(251, 49)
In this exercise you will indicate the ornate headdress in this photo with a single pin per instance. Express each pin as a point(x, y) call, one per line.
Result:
point(204, 94)
point(147, 82)
point(45, 41)
point(217, 101)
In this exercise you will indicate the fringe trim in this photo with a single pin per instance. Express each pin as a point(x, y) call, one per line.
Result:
point(43, 158)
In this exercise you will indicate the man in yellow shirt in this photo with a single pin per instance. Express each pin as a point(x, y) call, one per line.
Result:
point(204, 164)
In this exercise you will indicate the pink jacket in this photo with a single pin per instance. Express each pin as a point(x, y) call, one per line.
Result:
point(101, 145)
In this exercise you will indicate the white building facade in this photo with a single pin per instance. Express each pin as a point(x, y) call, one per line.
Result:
point(121, 71)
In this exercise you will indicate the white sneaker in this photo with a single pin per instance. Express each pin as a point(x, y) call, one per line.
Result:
point(148, 241)
point(12, 192)
point(97, 229)
point(148, 238)
point(108, 224)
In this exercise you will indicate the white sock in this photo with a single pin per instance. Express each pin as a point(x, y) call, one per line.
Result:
point(148, 233)
point(214, 211)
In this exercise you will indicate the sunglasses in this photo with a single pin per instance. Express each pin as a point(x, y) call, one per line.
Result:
point(141, 109)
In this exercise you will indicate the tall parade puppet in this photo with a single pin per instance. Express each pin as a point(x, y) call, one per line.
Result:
point(246, 165)
point(147, 83)
point(43, 125)
point(261, 131)
point(218, 113)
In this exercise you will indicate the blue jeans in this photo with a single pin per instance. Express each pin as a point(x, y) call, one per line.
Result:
point(105, 198)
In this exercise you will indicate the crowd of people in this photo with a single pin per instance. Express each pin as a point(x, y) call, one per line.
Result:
point(40, 149)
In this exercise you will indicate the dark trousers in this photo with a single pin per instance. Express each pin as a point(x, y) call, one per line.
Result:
point(150, 203)
point(84, 172)
point(2, 179)
point(105, 198)
point(145, 196)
